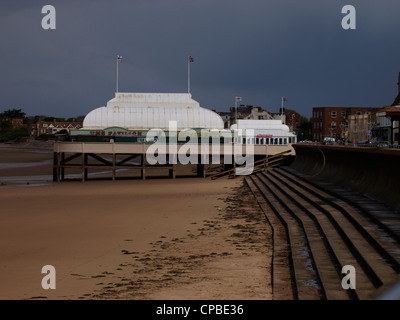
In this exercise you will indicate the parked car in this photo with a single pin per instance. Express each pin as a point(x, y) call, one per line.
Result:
point(306, 141)
point(364, 143)
point(328, 140)
point(383, 144)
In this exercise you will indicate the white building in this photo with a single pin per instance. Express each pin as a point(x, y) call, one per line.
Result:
point(143, 111)
point(263, 132)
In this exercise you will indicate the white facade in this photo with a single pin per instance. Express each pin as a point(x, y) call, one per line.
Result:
point(260, 124)
point(263, 132)
point(152, 110)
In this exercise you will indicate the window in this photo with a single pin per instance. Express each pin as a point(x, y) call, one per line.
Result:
point(333, 125)
point(343, 113)
point(333, 114)
point(359, 113)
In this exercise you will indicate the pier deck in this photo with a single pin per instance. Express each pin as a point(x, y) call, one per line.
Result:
point(87, 156)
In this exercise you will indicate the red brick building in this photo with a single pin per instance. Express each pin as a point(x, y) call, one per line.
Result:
point(333, 121)
point(292, 119)
point(17, 122)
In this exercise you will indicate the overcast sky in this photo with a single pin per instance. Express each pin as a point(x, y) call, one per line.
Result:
point(260, 50)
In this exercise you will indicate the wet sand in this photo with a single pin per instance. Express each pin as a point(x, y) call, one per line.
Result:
point(188, 238)
point(25, 165)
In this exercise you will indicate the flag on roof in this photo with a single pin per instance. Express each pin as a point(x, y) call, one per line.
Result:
point(238, 98)
point(191, 59)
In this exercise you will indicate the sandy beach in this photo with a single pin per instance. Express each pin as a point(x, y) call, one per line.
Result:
point(187, 238)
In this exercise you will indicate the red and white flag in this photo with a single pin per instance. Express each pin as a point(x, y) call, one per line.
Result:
point(119, 58)
point(284, 99)
point(238, 98)
point(191, 59)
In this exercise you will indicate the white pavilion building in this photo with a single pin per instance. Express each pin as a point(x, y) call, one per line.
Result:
point(144, 111)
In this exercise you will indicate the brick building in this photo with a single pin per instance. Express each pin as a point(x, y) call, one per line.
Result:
point(249, 112)
point(17, 122)
point(45, 127)
point(334, 121)
point(292, 119)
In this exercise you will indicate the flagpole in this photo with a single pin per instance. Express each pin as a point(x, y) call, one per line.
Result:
point(189, 75)
point(236, 112)
point(282, 111)
point(117, 73)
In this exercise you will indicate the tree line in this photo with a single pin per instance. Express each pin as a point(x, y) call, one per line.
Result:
point(10, 133)
point(304, 131)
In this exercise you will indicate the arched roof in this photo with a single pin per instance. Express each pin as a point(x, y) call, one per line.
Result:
point(262, 127)
point(152, 110)
point(260, 124)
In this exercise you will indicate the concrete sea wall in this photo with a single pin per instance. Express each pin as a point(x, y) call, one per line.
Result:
point(371, 171)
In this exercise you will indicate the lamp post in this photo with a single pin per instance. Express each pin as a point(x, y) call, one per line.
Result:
point(118, 60)
point(236, 100)
point(190, 59)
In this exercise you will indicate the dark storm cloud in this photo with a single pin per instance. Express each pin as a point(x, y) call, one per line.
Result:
point(260, 50)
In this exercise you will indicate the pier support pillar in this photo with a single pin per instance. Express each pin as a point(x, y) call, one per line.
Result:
point(56, 168)
point(234, 167)
point(201, 160)
point(143, 170)
point(200, 166)
point(83, 166)
point(113, 166)
point(86, 164)
point(200, 170)
point(62, 169)
point(172, 174)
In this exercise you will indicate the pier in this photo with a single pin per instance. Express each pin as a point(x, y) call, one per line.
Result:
point(86, 157)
